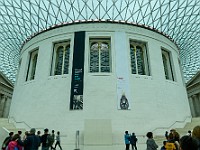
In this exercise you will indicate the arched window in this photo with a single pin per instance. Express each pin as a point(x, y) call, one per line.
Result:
point(100, 55)
point(61, 58)
point(167, 65)
point(139, 60)
point(32, 65)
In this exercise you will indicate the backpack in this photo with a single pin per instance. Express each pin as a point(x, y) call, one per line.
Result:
point(16, 148)
point(170, 146)
point(50, 140)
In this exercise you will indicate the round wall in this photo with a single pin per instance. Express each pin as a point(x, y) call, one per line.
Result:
point(82, 76)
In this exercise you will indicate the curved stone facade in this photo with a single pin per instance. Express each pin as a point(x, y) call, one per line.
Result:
point(126, 88)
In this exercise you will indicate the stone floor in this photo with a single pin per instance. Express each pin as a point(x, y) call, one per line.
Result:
point(113, 147)
point(141, 140)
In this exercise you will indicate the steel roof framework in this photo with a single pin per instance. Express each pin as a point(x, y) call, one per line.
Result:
point(19, 19)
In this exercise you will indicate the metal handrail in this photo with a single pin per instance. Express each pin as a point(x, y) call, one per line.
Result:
point(172, 124)
point(18, 121)
point(23, 123)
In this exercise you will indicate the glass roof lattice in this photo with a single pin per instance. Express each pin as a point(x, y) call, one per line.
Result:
point(20, 19)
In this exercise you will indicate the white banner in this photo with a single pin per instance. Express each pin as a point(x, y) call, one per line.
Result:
point(122, 72)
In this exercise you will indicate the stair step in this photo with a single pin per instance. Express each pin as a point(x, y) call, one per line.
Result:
point(196, 119)
point(159, 139)
point(3, 119)
point(182, 131)
point(16, 130)
point(9, 126)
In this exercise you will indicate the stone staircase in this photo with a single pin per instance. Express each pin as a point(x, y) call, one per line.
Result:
point(182, 131)
point(9, 126)
point(6, 127)
point(189, 126)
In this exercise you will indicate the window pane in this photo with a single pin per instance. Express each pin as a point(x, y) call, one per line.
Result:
point(140, 61)
point(133, 64)
point(61, 58)
point(33, 67)
point(100, 55)
point(66, 60)
point(105, 57)
point(94, 58)
point(167, 64)
point(59, 61)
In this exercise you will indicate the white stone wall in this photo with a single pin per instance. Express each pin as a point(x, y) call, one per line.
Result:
point(44, 101)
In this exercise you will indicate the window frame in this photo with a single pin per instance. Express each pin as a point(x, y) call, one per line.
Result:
point(100, 39)
point(30, 72)
point(170, 70)
point(55, 47)
point(144, 46)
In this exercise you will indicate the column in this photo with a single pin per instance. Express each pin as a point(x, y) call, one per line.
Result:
point(2, 103)
point(196, 105)
point(6, 107)
point(192, 106)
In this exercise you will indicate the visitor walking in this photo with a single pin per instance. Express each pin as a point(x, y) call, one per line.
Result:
point(13, 143)
point(58, 140)
point(53, 139)
point(44, 140)
point(32, 141)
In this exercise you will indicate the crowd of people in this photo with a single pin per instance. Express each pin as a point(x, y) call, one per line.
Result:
point(32, 141)
point(190, 141)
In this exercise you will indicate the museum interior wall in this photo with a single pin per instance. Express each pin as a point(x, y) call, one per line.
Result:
point(81, 75)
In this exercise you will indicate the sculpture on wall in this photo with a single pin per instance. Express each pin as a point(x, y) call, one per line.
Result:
point(124, 104)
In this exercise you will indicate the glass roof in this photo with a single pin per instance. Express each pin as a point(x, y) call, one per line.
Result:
point(19, 19)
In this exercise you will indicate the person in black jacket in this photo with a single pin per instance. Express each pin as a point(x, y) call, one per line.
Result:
point(7, 140)
point(44, 140)
point(32, 141)
point(133, 140)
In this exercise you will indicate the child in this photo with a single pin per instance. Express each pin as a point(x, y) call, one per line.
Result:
point(163, 147)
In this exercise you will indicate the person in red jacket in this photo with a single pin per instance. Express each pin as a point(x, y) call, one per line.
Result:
point(13, 145)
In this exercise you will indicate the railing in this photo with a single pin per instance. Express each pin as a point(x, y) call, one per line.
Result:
point(27, 127)
point(171, 126)
point(17, 122)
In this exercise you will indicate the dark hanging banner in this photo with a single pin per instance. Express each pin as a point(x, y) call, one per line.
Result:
point(76, 98)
